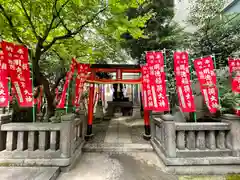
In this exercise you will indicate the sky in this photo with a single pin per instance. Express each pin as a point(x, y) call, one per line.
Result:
point(181, 8)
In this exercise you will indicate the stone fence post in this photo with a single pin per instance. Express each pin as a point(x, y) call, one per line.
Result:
point(4, 119)
point(153, 127)
point(83, 116)
point(66, 135)
point(235, 132)
point(156, 114)
point(169, 135)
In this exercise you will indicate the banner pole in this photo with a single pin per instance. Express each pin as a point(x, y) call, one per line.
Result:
point(165, 71)
point(68, 96)
point(191, 70)
point(33, 108)
point(215, 67)
point(9, 92)
point(74, 94)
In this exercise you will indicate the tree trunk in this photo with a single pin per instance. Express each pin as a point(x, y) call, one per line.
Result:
point(50, 98)
point(41, 80)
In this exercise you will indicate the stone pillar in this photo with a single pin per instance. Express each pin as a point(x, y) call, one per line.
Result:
point(132, 92)
point(66, 135)
point(235, 131)
point(4, 118)
point(153, 127)
point(136, 101)
point(157, 114)
point(169, 135)
point(83, 116)
point(136, 114)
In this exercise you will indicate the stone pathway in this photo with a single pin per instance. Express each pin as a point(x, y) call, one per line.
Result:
point(28, 173)
point(117, 166)
point(128, 162)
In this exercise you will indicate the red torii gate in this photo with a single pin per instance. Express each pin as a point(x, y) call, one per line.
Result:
point(119, 69)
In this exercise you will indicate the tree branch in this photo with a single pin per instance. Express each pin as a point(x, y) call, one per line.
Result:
point(55, 15)
point(81, 56)
point(62, 75)
point(29, 20)
point(57, 81)
point(71, 34)
point(49, 27)
point(64, 25)
point(10, 23)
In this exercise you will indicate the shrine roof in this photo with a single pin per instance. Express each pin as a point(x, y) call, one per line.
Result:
point(115, 66)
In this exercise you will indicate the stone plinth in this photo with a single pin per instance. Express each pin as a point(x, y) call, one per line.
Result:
point(234, 120)
point(136, 112)
point(125, 106)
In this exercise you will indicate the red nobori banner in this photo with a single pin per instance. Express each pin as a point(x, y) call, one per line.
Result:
point(4, 92)
point(146, 88)
point(183, 83)
point(80, 80)
point(157, 77)
point(234, 69)
point(18, 65)
point(69, 77)
point(208, 82)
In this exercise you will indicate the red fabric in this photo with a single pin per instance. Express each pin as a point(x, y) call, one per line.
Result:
point(234, 69)
point(66, 85)
point(147, 93)
point(146, 117)
point(4, 91)
point(18, 65)
point(154, 83)
point(208, 82)
point(113, 81)
point(183, 82)
point(237, 112)
point(80, 80)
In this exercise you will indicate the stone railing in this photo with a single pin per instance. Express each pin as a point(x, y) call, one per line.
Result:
point(48, 144)
point(197, 148)
point(196, 140)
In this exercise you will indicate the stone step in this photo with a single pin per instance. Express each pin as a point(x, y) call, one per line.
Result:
point(33, 173)
point(117, 147)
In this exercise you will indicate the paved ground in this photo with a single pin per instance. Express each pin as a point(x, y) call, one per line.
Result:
point(132, 164)
point(123, 129)
point(113, 154)
point(28, 173)
point(122, 166)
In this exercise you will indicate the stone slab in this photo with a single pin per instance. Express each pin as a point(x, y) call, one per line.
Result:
point(31, 127)
point(118, 166)
point(196, 161)
point(29, 173)
point(118, 132)
point(204, 153)
point(74, 159)
point(35, 162)
point(202, 178)
point(113, 147)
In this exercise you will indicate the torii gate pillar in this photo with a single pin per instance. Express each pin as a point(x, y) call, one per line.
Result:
point(147, 134)
point(90, 108)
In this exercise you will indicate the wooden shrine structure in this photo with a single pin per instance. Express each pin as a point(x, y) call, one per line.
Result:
point(119, 69)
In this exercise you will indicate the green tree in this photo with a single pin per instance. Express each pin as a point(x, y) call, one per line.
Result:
point(160, 31)
point(58, 25)
point(216, 32)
